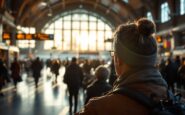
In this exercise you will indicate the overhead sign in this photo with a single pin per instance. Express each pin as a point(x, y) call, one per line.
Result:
point(41, 36)
point(6, 36)
point(22, 36)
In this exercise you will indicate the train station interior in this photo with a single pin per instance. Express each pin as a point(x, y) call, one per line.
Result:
point(48, 35)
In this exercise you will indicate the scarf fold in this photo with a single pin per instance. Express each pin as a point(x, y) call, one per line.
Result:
point(146, 75)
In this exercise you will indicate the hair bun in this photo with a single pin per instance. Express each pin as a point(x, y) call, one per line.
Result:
point(145, 27)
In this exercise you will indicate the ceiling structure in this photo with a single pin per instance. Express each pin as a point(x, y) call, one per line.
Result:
point(36, 13)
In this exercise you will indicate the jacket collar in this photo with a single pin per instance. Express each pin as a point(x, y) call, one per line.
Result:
point(140, 76)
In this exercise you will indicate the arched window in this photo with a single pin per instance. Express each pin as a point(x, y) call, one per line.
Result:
point(182, 7)
point(79, 30)
point(165, 11)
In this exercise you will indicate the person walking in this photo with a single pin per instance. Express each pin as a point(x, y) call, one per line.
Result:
point(15, 72)
point(3, 76)
point(73, 78)
point(36, 69)
point(135, 56)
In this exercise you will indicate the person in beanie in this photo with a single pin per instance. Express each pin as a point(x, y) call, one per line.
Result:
point(135, 55)
point(100, 85)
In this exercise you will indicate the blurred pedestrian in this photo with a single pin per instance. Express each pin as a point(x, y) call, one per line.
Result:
point(36, 69)
point(73, 78)
point(15, 72)
point(55, 69)
point(3, 76)
point(100, 86)
point(181, 72)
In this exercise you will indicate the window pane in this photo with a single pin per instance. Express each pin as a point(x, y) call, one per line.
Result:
point(58, 39)
point(51, 26)
point(92, 26)
point(58, 24)
point(49, 31)
point(100, 25)
point(48, 44)
point(67, 25)
point(76, 25)
point(67, 39)
point(76, 17)
point(107, 28)
point(182, 7)
point(84, 25)
point(100, 40)
point(84, 17)
point(75, 37)
point(83, 38)
point(165, 11)
point(91, 18)
point(92, 40)
point(67, 18)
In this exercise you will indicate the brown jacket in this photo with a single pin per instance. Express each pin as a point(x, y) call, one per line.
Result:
point(116, 104)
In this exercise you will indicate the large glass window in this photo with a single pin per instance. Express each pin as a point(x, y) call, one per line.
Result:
point(79, 30)
point(165, 11)
point(182, 7)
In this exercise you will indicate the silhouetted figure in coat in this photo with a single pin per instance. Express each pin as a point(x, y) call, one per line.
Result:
point(15, 72)
point(36, 69)
point(55, 69)
point(3, 76)
point(73, 78)
point(100, 86)
point(181, 72)
point(178, 63)
point(171, 73)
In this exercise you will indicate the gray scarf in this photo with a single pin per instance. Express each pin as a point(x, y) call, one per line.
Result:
point(147, 75)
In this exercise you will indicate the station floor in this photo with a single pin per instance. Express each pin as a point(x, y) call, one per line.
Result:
point(47, 99)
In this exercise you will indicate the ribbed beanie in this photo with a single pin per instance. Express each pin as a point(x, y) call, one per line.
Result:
point(134, 43)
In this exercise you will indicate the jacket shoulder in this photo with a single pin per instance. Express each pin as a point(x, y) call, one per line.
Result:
point(113, 104)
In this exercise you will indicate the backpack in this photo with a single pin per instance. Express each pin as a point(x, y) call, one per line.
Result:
point(169, 106)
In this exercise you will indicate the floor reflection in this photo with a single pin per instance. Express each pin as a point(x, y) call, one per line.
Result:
point(47, 99)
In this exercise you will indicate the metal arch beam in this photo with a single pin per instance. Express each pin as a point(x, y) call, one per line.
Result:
point(128, 7)
point(2, 3)
point(26, 13)
point(88, 5)
point(64, 2)
point(22, 7)
point(171, 4)
point(41, 22)
point(147, 4)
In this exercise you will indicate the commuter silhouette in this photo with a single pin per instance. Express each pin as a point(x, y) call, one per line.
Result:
point(36, 69)
point(55, 69)
point(73, 78)
point(100, 86)
point(181, 72)
point(171, 73)
point(135, 56)
point(15, 72)
point(3, 76)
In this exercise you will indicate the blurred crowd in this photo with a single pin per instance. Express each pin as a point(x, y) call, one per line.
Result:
point(95, 77)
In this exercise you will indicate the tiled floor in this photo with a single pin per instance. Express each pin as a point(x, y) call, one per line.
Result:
point(48, 99)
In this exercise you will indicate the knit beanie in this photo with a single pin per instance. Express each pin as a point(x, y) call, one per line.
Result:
point(134, 43)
